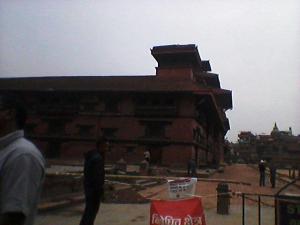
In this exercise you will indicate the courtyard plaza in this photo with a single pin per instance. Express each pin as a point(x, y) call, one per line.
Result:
point(139, 214)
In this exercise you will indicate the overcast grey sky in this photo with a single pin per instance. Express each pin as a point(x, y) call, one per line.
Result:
point(254, 45)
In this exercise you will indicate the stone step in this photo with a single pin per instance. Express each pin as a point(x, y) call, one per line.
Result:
point(146, 183)
point(150, 184)
point(140, 182)
point(65, 201)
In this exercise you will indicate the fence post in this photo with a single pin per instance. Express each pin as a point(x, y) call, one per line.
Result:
point(243, 208)
point(223, 201)
point(259, 211)
point(275, 207)
point(276, 198)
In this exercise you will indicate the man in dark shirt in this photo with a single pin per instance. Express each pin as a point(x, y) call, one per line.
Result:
point(273, 175)
point(262, 169)
point(93, 182)
point(192, 168)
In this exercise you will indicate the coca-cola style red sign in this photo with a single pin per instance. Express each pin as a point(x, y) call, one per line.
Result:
point(179, 212)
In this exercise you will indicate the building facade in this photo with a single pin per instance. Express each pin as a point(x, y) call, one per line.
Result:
point(246, 147)
point(279, 146)
point(177, 114)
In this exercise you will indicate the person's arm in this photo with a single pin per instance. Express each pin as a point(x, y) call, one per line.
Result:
point(12, 218)
point(21, 179)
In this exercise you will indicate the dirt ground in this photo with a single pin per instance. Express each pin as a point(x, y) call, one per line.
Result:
point(207, 190)
point(138, 214)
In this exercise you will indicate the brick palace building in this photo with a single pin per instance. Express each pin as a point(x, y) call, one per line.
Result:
point(177, 114)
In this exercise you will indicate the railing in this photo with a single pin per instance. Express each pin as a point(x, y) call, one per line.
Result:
point(247, 196)
point(286, 207)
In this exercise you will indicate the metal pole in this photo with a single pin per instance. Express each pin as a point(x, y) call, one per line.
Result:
point(259, 211)
point(275, 208)
point(276, 196)
point(243, 209)
point(284, 187)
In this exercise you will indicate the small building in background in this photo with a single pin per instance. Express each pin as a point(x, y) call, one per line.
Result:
point(246, 147)
point(279, 146)
point(177, 114)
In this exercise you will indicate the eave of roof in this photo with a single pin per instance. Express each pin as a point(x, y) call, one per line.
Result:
point(212, 79)
point(110, 84)
point(209, 93)
point(224, 98)
point(183, 52)
point(98, 83)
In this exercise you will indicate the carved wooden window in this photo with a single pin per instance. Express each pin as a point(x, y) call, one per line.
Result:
point(111, 106)
point(130, 149)
point(155, 130)
point(56, 127)
point(109, 132)
point(85, 129)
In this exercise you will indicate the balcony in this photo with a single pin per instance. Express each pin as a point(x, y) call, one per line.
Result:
point(157, 111)
point(59, 110)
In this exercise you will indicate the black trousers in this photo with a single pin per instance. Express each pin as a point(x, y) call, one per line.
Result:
point(262, 179)
point(92, 204)
point(273, 180)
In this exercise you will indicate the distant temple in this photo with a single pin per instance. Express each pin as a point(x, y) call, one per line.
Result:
point(280, 146)
point(177, 114)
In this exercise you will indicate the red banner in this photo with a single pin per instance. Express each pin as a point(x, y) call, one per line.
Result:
point(181, 212)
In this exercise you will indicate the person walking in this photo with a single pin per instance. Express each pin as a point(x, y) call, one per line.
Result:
point(147, 156)
point(94, 176)
point(272, 175)
point(262, 172)
point(22, 166)
point(192, 168)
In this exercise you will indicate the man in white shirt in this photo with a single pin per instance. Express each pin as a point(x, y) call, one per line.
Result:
point(147, 156)
point(22, 166)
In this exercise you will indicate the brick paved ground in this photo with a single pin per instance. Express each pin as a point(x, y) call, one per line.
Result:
point(133, 214)
point(138, 214)
point(237, 172)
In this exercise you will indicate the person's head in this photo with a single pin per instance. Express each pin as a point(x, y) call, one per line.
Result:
point(102, 144)
point(12, 113)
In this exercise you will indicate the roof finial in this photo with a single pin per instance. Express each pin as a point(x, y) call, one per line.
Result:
point(275, 128)
point(290, 131)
